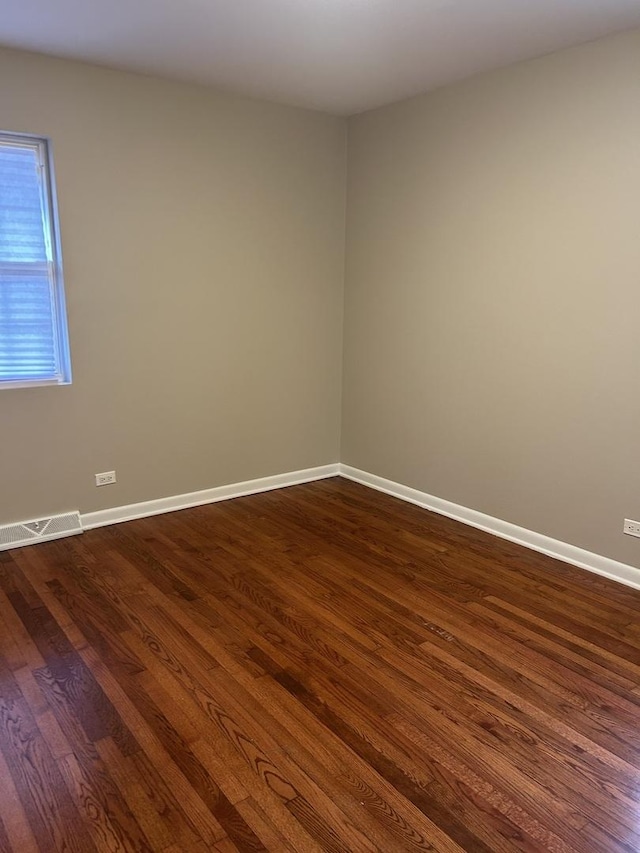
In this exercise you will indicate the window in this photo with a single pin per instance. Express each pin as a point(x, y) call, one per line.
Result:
point(34, 347)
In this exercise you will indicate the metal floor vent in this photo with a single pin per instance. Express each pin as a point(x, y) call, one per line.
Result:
point(40, 530)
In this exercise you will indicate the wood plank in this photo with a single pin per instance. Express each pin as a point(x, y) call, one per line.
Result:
point(320, 668)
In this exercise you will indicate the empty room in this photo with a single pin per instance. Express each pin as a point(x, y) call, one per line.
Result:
point(319, 387)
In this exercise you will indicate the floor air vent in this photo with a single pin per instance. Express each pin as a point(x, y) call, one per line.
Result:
point(40, 530)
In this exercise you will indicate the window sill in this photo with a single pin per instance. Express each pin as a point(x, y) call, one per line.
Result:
point(33, 383)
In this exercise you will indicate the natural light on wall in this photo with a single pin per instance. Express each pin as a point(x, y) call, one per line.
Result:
point(34, 347)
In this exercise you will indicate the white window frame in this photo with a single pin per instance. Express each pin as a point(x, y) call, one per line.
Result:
point(52, 266)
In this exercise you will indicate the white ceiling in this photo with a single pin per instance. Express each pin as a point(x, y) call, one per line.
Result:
point(343, 56)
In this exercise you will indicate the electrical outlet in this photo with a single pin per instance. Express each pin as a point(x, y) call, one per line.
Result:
point(105, 478)
point(631, 527)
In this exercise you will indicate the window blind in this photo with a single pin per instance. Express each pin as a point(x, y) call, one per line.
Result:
point(32, 348)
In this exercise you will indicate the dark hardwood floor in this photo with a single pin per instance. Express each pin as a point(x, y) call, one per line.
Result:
point(317, 668)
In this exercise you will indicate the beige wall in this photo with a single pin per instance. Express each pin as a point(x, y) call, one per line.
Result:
point(203, 249)
point(492, 316)
point(492, 351)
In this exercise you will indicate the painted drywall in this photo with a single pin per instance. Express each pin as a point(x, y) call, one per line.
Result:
point(203, 248)
point(492, 313)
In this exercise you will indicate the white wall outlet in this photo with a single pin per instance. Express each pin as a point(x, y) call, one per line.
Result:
point(105, 478)
point(631, 527)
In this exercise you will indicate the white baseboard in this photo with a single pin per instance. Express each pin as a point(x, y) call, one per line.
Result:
point(621, 572)
point(206, 496)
